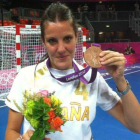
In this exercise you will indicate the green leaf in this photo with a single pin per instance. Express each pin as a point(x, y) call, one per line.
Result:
point(38, 134)
point(40, 108)
point(52, 130)
point(47, 125)
point(45, 118)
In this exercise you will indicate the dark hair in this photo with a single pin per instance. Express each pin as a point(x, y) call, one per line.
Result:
point(54, 13)
point(57, 12)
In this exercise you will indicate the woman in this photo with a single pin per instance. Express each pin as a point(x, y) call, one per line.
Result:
point(59, 35)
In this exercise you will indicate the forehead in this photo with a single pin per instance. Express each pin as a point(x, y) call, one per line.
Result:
point(58, 27)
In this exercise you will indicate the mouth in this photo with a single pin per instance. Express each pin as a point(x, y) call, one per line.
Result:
point(62, 57)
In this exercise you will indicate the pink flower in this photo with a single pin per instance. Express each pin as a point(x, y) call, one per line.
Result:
point(43, 93)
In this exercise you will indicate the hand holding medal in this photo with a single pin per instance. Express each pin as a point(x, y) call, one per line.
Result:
point(91, 56)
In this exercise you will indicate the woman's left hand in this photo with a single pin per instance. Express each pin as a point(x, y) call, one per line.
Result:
point(114, 63)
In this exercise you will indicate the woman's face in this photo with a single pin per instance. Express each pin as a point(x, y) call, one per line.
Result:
point(60, 41)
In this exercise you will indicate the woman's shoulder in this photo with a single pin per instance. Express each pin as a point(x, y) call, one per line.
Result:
point(29, 70)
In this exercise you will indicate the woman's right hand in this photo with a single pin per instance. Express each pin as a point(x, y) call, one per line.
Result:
point(27, 135)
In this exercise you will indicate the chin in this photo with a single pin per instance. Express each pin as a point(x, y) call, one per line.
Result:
point(63, 66)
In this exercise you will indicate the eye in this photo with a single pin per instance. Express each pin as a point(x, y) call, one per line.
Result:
point(67, 39)
point(52, 41)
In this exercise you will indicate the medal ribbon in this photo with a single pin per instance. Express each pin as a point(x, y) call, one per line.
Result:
point(78, 74)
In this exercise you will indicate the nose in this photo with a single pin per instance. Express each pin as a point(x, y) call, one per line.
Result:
point(61, 47)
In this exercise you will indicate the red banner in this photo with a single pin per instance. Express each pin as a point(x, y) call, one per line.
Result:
point(132, 59)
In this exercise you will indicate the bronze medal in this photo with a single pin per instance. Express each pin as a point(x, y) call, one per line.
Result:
point(91, 56)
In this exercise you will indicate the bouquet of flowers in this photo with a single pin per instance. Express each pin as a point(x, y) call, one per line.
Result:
point(43, 111)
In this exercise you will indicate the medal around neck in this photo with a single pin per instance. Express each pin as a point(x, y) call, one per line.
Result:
point(91, 56)
point(78, 74)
